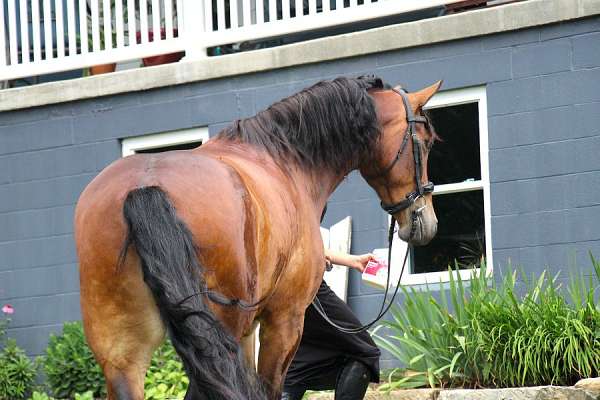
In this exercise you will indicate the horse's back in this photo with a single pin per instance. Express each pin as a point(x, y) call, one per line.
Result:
point(201, 189)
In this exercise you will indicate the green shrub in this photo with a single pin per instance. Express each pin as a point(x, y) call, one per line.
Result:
point(17, 372)
point(489, 336)
point(166, 378)
point(40, 396)
point(70, 366)
point(89, 395)
point(72, 371)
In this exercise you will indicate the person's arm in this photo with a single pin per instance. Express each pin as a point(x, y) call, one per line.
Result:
point(356, 261)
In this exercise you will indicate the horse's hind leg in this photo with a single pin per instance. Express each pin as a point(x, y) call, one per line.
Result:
point(281, 335)
point(124, 384)
point(122, 326)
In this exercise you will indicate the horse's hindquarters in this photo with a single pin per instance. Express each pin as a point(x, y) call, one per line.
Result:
point(122, 327)
point(121, 321)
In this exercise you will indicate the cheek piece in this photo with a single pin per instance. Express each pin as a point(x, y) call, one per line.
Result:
point(411, 132)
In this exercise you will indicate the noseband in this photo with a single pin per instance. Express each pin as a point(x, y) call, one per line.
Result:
point(411, 132)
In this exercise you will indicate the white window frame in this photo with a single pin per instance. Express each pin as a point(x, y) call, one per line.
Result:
point(132, 145)
point(446, 99)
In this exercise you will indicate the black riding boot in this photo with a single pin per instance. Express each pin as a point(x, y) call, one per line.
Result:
point(352, 381)
point(292, 394)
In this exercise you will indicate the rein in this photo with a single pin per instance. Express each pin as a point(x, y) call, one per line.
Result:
point(223, 300)
point(411, 198)
point(319, 307)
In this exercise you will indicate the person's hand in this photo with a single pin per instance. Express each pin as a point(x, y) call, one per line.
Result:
point(360, 261)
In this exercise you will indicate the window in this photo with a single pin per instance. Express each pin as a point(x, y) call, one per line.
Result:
point(175, 140)
point(458, 165)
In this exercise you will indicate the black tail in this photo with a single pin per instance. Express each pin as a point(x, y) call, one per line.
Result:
point(211, 356)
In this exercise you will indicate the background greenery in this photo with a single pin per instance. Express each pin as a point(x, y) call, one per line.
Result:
point(17, 371)
point(70, 366)
point(479, 333)
point(72, 371)
point(518, 331)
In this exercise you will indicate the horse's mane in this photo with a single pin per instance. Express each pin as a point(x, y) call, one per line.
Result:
point(331, 124)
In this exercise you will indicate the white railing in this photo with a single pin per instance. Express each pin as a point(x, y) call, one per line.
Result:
point(46, 36)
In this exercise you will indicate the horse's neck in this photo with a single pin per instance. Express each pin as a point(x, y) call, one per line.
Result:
point(317, 183)
point(320, 184)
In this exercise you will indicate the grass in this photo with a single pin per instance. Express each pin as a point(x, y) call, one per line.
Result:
point(522, 331)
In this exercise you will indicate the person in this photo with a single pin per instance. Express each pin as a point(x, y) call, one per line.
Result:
point(328, 358)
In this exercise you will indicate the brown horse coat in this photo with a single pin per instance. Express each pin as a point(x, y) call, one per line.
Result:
point(253, 214)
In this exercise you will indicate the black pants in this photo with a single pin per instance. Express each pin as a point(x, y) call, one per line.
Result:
point(324, 350)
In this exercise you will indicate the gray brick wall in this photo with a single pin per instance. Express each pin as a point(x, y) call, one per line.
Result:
point(543, 88)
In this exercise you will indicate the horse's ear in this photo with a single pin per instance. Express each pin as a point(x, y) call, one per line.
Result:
point(420, 98)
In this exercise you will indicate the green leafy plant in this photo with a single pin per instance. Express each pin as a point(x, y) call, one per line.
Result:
point(7, 310)
point(72, 371)
point(166, 378)
point(479, 333)
point(89, 395)
point(40, 396)
point(427, 338)
point(70, 366)
point(17, 372)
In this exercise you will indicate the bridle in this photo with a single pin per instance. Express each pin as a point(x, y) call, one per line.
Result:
point(411, 133)
point(420, 190)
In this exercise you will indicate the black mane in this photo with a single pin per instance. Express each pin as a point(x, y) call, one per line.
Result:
point(332, 125)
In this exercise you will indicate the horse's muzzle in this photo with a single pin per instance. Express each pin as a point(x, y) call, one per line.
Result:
point(420, 226)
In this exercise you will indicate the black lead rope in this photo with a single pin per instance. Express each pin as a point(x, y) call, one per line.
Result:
point(223, 300)
point(384, 309)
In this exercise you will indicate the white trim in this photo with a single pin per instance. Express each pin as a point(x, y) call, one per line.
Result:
point(132, 145)
point(313, 21)
point(338, 238)
point(456, 97)
point(465, 186)
point(446, 99)
point(487, 21)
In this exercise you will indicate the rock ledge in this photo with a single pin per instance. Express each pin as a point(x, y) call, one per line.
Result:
point(528, 393)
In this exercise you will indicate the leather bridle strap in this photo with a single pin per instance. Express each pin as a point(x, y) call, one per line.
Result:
point(223, 300)
point(384, 308)
point(411, 132)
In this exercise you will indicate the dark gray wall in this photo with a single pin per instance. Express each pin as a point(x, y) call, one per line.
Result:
point(543, 88)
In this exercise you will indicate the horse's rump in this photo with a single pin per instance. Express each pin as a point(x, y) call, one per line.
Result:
point(165, 246)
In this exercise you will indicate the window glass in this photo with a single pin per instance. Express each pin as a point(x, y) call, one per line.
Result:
point(461, 223)
point(460, 236)
point(456, 157)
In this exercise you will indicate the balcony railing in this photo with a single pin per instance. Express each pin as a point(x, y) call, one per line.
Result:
point(47, 36)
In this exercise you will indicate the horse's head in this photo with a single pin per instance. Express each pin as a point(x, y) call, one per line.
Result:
point(398, 168)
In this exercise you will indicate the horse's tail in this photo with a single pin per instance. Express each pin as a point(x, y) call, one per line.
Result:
point(211, 356)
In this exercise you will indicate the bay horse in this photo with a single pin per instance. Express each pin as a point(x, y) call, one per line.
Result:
point(203, 244)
